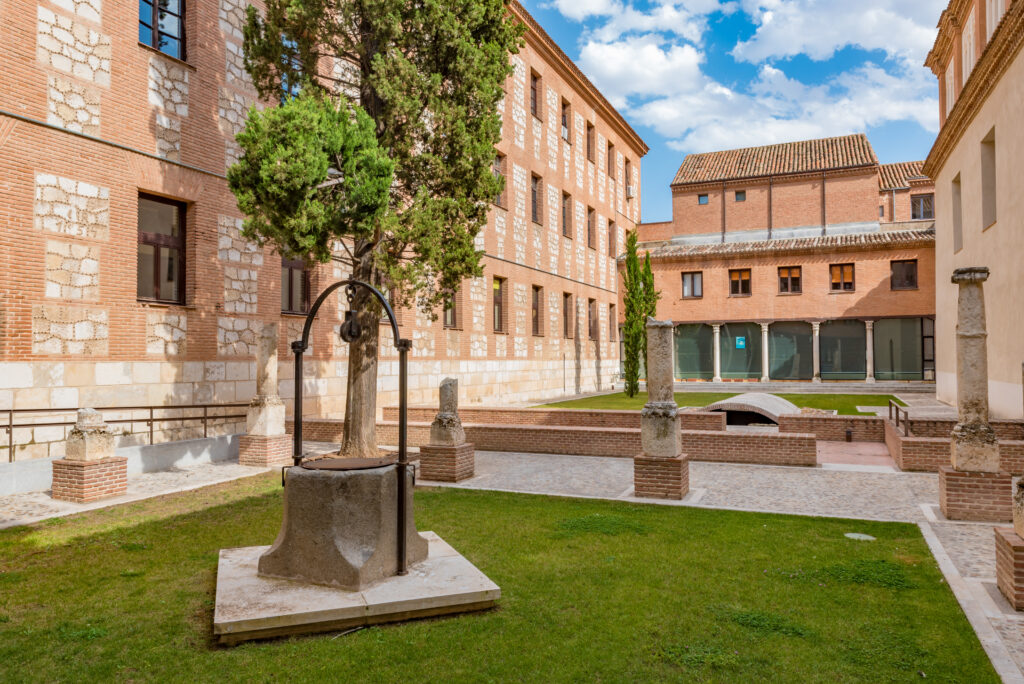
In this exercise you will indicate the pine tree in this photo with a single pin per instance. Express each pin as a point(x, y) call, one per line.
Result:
point(634, 331)
point(650, 301)
point(429, 76)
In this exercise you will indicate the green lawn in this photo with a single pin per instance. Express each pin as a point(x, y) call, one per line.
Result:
point(846, 404)
point(591, 591)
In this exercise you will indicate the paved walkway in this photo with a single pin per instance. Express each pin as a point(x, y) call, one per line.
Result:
point(855, 481)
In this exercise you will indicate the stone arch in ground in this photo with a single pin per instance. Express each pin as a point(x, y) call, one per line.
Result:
point(741, 409)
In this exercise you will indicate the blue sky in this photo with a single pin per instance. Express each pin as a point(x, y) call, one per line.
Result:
point(702, 75)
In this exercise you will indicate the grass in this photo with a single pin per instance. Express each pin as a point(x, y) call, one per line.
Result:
point(591, 591)
point(845, 404)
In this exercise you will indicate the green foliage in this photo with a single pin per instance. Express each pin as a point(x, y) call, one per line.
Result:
point(598, 523)
point(763, 622)
point(634, 331)
point(429, 75)
point(650, 299)
point(282, 180)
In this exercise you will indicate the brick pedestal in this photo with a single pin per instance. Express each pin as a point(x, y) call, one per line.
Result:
point(264, 452)
point(983, 497)
point(447, 463)
point(1010, 566)
point(661, 478)
point(85, 481)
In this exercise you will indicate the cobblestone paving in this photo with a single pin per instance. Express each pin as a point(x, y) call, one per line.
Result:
point(972, 548)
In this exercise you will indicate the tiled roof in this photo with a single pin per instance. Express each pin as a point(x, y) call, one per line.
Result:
point(771, 160)
point(878, 240)
point(896, 176)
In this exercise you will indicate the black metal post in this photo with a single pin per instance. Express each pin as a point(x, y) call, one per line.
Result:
point(297, 348)
point(403, 459)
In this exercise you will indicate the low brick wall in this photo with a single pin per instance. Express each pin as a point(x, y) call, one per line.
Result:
point(764, 449)
point(319, 429)
point(928, 454)
point(1010, 566)
point(833, 428)
point(85, 481)
point(688, 420)
point(702, 420)
point(1010, 430)
point(981, 497)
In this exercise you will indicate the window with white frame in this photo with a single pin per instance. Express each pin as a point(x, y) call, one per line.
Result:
point(967, 45)
point(950, 88)
point(994, 10)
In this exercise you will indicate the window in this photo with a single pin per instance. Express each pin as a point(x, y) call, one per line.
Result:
point(988, 179)
point(291, 70)
point(535, 92)
point(922, 207)
point(591, 228)
point(537, 309)
point(451, 311)
point(613, 241)
point(702, 199)
point(536, 189)
point(741, 195)
point(566, 120)
point(295, 286)
point(958, 215)
point(612, 165)
point(881, 211)
point(161, 26)
point(629, 172)
point(903, 275)
point(592, 318)
point(693, 285)
point(994, 10)
point(498, 169)
point(161, 252)
point(949, 88)
point(498, 297)
point(967, 52)
point(612, 322)
point(739, 282)
point(789, 280)
point(842, 277)
point(591, 146)
point(567, 315)
point(567, 215)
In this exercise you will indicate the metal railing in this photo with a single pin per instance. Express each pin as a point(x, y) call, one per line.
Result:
point(150, 418)
point(901, 416)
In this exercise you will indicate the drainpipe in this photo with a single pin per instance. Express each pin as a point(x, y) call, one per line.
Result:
point(723, 212)
point(824, 217)
point(770, 179)
point(892, 205)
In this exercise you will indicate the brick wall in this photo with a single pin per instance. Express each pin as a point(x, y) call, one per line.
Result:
point(85, 481)
point(764, 449)
point(1004, 429)
point(688, 420)
point(833, 428)
point(983, 497)
point(1010, 566)
point(928, 454)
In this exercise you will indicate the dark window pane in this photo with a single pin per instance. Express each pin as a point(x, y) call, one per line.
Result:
point(172, 6)
point(286, 299)
point(145, 13)
point(146, 267)
point(794, 284)
point(170, 274)
point(298, 280)
point(145, 34)
point(170, 46)
point(170, 25)
point(158, 218)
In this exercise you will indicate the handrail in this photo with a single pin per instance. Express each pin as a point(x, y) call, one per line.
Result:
point(896, 413)
point(150, 420)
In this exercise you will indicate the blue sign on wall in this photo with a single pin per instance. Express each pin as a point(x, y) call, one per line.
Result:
point(741, 342)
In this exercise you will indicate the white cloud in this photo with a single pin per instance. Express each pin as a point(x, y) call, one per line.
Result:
point(641, 66)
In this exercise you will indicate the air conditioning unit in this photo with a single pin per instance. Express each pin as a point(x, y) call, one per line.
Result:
point(565, 133)
point(630, 191)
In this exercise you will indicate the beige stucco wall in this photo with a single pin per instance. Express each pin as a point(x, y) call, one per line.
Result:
point(999, 247)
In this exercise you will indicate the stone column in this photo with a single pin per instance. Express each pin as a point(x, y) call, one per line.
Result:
point(974, 488)
point(90, 470)
point(661, 471)
point(869, 328)
point(717, 352)
point(265, 442)
point(764, 353)
point(448, 457)
point(816, 350)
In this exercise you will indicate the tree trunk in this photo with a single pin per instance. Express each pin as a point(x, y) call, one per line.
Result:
point(361, 396)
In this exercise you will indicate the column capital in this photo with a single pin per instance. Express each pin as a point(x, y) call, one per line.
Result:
point(764, 327)
point(715, 326)
point(869, 324)
point(816, 326)
point(971, 274)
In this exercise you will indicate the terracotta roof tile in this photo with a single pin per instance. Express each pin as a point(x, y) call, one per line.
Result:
point(795, 157)
point(897, 176)
point(821, 244)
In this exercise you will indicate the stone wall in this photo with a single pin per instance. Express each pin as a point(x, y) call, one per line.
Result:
point(71, 207)
point(72, 47)
point(72, 105)
point(72, 270)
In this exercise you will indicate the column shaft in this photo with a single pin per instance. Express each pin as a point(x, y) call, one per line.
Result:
point(717, 329)
point(764, 353)
point(869, 327)
point(816, 351)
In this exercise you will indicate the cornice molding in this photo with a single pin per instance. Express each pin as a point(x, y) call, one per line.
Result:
point(1000, 52)
point(761, 253)
point(541, 41)
point(949, 27)
point(775, 177)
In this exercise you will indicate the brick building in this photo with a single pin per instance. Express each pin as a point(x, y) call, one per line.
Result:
point(124, 278)
point(977, 166)
point(798, 261)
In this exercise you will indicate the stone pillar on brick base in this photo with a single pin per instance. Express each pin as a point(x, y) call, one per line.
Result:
point(816, 350)
point(448, 458)
point(1010, 554)
point(974, 488)
point(89, 469)
point(265, 442)
point(661, 471)
point(716, 354)
point(869, 332)
point(764, 353)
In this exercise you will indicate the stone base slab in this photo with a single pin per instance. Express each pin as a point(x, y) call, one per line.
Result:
point(982, 497)
point(1010, 566)
point(85, 481)
point(447, 463)
point(264, 452)
point(250, 607)
point(661, 478)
